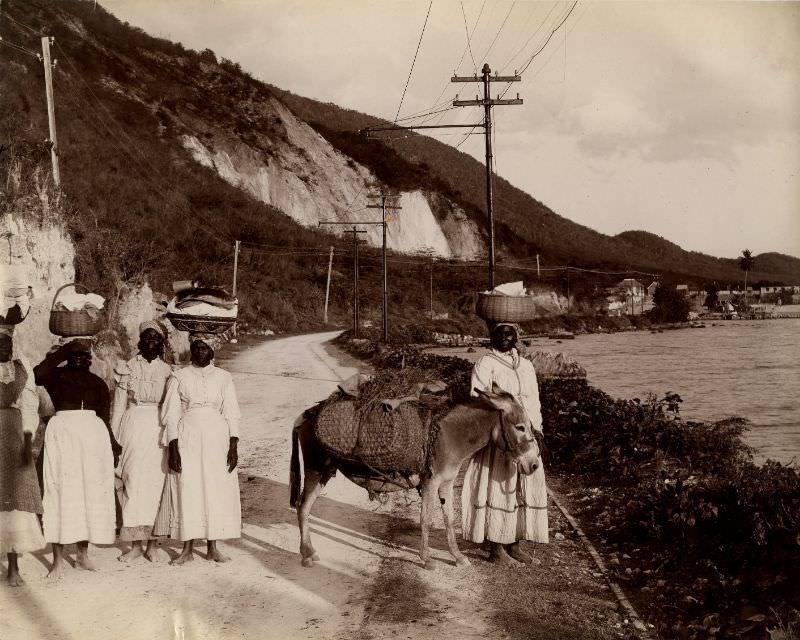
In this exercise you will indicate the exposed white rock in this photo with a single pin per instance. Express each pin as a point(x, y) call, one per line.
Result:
point(311, 181)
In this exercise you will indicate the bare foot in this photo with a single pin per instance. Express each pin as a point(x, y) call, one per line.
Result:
point(183, 558)
point(500, 556)
point(82, 561)
point(519, 554)
point(14, 579)
point(134, 553)
point(217, 556)
point(156, 554)
point(57, 571)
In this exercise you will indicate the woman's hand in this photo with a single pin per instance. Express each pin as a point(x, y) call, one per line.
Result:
point(27, 450)
point(116, 449)
point(174, 457)
point(233, 454)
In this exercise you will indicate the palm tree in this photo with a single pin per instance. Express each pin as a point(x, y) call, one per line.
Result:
point(746, 263)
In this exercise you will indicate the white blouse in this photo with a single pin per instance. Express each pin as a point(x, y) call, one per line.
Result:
point(138, 382)
point(197, 387)
point(512, 374)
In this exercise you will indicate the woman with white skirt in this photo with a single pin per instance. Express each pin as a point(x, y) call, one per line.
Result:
point(80, 454)
point(201, 415)
point(140, 385)
point(499, 504)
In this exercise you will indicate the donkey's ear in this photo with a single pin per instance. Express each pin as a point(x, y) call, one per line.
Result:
point(499, 401)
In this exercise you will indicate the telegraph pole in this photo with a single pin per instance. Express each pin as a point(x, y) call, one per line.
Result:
point(487, 104)
point(355, 230)
point(51, 113)
point(235, 264)
point(383, 207)
point(328, 288)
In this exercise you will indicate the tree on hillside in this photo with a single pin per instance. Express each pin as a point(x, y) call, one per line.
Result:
point(669, 305)
point(712, 296)
point(746, 263)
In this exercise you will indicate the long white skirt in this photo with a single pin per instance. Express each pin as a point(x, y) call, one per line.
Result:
point(143, 468)
point(501, 505)
point(204, 497)
point(78, 480)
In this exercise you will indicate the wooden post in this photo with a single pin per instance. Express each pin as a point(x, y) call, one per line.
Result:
point(51, 113)
point(328, 288)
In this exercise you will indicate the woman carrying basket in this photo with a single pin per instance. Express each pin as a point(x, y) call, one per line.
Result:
point(201, 415)
point(140, 385)
point(80, 453)
point(498, 503)
point(20, 501)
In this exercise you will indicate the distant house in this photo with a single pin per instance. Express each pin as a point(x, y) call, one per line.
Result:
point(631, 293)
point(682, 289)
point(651, 289)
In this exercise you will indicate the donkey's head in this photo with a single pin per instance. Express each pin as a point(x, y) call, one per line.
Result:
point(513, 433)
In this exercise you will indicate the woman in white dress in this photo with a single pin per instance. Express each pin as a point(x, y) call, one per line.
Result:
point(498, 503)
point(140, 385)
point(20, 500)
point(80, 453)
point(201, 415)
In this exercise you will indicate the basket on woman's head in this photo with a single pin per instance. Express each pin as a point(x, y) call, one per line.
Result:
point(506, 303)
point(207, 310)
point(76, 314)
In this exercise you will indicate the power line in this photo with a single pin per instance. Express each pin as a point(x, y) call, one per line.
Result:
point(469, 43)
point(556, 28)
point(497, 35)
point(533, 35)
point(413, 62)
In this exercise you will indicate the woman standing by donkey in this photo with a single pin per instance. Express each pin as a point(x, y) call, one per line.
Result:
point(140, 385)
point(499, 504)
point(20, 501)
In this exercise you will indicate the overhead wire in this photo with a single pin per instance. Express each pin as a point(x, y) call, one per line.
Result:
point(552, 32)
point(413, 62)
point(469, 43)
point(497, 35)
point(533, 35)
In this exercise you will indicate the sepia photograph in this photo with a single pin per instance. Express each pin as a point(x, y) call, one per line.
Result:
point(399, 319)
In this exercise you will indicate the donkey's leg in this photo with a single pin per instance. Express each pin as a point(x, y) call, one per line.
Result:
point(312, 487)
point(446, 499)
point(429, 490)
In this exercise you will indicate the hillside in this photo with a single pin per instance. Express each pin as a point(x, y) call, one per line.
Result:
point(168, 155)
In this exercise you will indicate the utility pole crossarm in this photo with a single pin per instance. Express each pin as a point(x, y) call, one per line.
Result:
point(484, 103)
point(495, 78)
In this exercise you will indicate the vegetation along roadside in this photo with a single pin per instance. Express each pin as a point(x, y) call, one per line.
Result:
point(705, 542)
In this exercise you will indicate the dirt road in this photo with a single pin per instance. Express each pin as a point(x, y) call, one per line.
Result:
point(369, 583)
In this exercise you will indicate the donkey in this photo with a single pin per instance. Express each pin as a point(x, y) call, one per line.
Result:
point(494, 416)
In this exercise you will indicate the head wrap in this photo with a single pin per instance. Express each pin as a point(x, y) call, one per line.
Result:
point(7, 330)
point(213, 340)
point(152, 324)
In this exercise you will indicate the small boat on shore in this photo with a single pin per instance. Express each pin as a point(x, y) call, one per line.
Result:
point(561, 335)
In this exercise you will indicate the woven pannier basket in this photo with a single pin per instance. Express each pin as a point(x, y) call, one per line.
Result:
point(81, 322)
point(494, 307)
point(200, 324)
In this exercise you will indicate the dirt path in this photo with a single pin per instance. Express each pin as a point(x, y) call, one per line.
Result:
point(369, 583)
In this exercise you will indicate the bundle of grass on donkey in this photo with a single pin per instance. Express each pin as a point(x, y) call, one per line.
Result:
point(388, 425)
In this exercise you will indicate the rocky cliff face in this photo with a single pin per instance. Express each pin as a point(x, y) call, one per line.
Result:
point(302, 175)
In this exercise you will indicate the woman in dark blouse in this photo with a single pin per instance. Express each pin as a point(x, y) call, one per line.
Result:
point(78, 461)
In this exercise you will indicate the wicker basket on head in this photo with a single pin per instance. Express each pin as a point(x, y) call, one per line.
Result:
point(82, 322)
point(200, 324)
point(494, 307)
point(9, 283)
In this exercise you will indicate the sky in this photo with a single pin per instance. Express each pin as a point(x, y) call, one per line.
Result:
point(681, 119)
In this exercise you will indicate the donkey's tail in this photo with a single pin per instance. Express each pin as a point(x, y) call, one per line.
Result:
point(294, 470)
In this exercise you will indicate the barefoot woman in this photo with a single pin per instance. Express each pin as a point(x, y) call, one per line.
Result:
point(80, 454)
point(19, 488)
point(140, 384)
point(498, 503)
point(201, 415)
